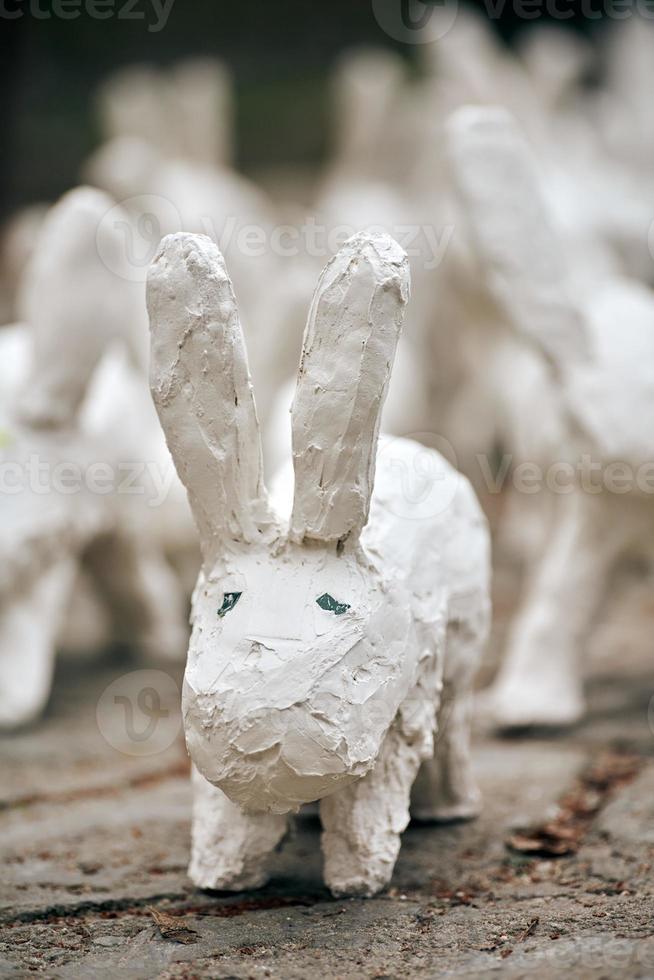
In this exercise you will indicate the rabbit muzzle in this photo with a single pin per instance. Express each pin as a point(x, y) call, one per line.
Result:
point(283, 720)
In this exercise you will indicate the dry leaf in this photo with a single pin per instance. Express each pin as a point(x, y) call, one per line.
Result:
point(529, 930)
point(546, 841)
point(171, 927)
point(564, 834)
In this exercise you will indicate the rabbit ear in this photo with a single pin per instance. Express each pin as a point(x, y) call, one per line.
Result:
point(348, 352)
point(132, 103)
point(366, 88)
point(202, 93)
point(76, 300)
point(201, 388)
point(521, 258)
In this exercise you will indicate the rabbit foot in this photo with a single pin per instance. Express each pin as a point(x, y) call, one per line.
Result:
point(238, 878)
point(363, 822)
point(28, 631)
point(230, 848)
point(444, 792)
point(352, 869)
point(510, 706)
point(447, 811)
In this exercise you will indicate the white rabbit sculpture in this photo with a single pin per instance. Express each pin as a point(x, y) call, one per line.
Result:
point(322, 646)
point(57, 509)
point(185, 111)
point(572, 372)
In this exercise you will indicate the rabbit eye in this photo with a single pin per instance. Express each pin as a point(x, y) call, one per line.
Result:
point(329, 604)
point(229, 601)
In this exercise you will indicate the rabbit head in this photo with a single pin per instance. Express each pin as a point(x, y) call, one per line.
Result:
point(520, 274)
point(77, 299)
point(519, 255)
point(298, 658)
point(75, 306)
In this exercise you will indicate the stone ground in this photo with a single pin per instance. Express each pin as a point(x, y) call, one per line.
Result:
point(94, 839)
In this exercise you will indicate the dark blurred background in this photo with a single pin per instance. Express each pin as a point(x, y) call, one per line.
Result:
point(280, 52)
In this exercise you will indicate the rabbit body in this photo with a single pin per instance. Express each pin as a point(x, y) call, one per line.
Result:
point(305, 696)
point(328, 618)
point(60, 513)
point(573, 374)
point(596, 449)
point(414, 575)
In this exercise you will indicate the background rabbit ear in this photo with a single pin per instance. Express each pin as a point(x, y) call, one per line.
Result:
point(521, 258)
point(132, 103)
point(202, 96)
point(201, 388)
point(366, 89)
point(77, 299)
point(348, 351)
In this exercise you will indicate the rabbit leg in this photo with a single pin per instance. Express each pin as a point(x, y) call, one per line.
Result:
point(164, 605)
point(445, 788)
point(143, 594)
point(525, 526)
point(363, 822)
point(29, 626)
point(230, 848)
point(539, 682)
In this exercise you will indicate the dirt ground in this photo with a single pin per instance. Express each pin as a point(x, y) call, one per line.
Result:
point(95, 845)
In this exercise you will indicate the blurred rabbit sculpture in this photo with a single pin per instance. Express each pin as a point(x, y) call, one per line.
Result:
point(320, 644)
point(573, 376)
point(185, 111)
point(163, 194)
point(18, 237)
point(368, 94)
point(56, 506)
